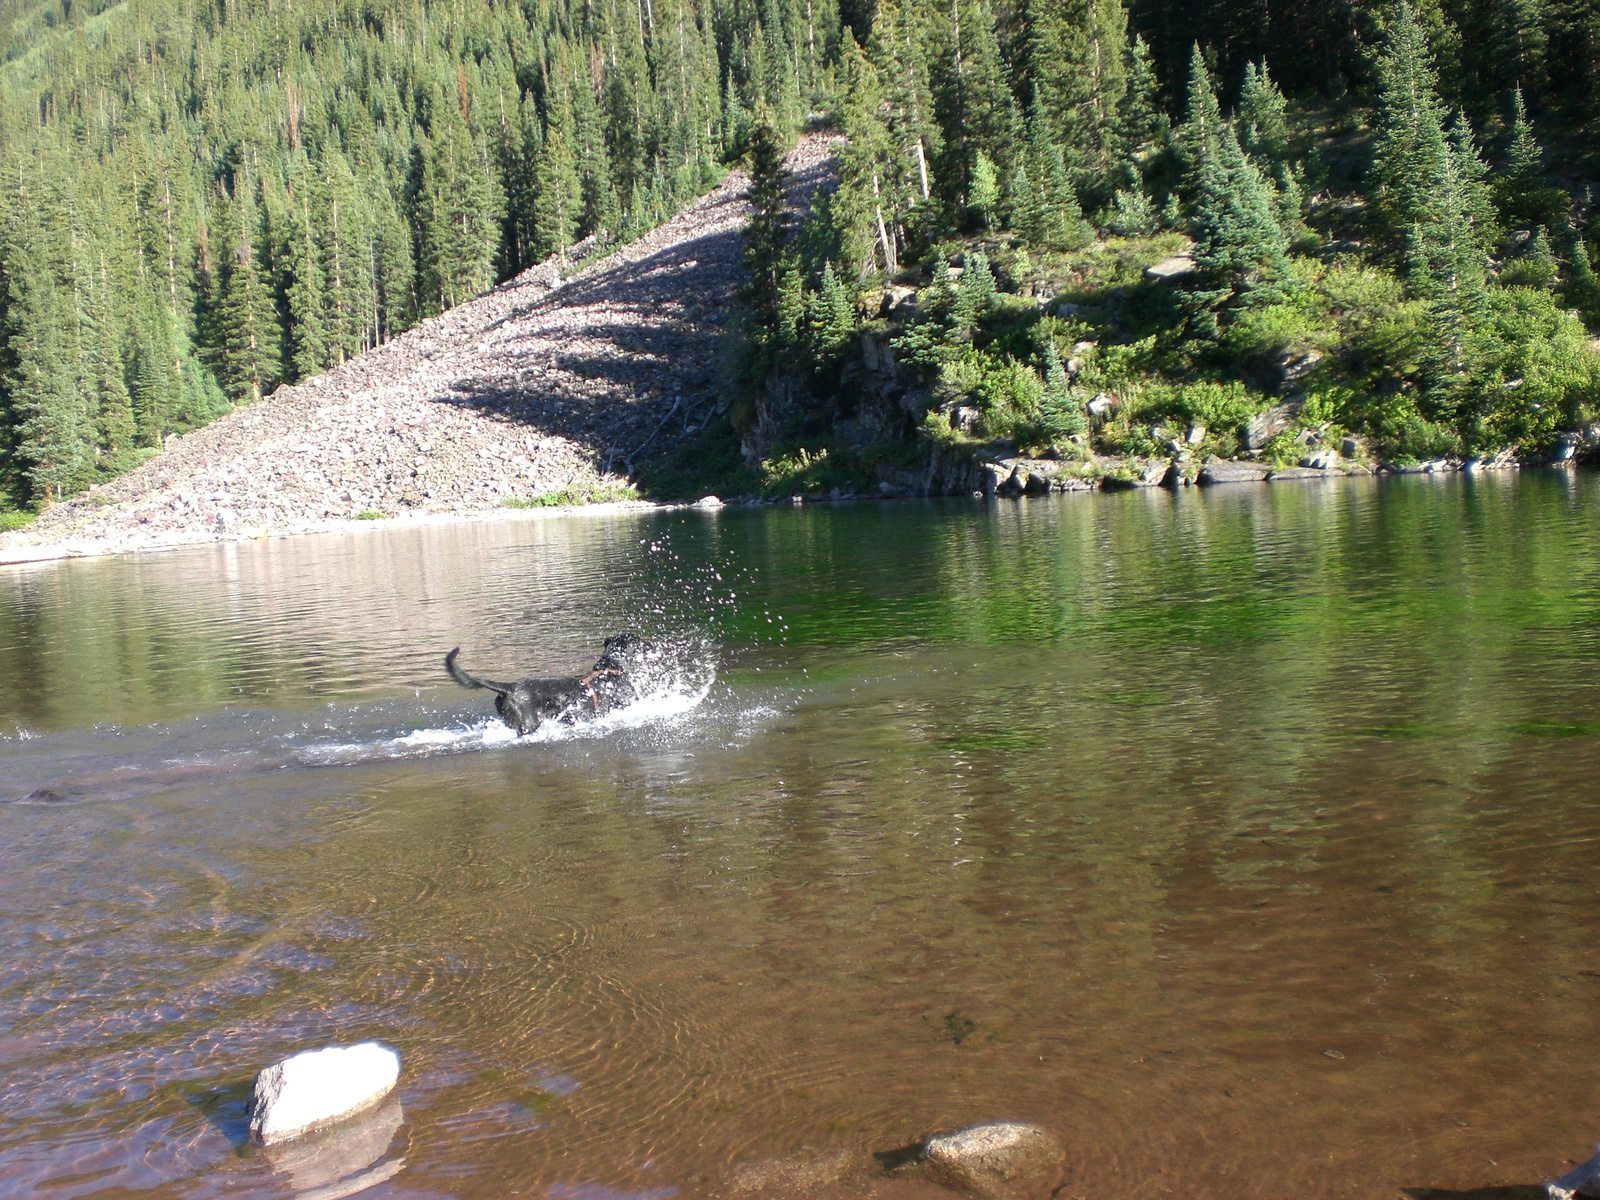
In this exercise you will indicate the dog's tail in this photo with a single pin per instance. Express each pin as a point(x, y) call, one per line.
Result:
point(472, 681)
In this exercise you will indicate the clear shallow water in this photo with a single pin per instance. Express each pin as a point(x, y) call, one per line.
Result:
point(1246, 839)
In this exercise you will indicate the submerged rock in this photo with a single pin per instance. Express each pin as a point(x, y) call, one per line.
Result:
point(1003, 1161)
point(797, 1173)
point(318, 1088)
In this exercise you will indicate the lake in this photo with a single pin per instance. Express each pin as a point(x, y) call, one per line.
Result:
point(1246, 839)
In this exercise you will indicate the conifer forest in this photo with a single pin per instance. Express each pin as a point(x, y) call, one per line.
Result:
point(1379, 207)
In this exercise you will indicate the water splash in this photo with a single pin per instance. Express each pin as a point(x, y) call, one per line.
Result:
point(671, 679)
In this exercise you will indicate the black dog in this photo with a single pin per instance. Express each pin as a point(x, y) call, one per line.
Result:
point(528, 703)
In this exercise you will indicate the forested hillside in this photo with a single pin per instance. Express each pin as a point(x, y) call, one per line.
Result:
point(1354, 209)
point(201, 199)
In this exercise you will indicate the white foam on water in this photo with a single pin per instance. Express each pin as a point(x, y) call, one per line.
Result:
point(671, 682)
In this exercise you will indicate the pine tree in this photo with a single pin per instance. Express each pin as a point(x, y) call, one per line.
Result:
point(1410, 150)
point(1263, 124)
point(560, 205)
point(37, 380)
point(1240, 248)
point(1078, 72)
point(766, 232)
point(1143, 120)
point(1582, 290)
point(1202, 124)
point(308, 350)
point(1523, 197)
point(114, 405)
point(250, 366)
point(1062, 412)
point(832, 318)
point(869, 204)
point(972, 101)
point(1446, 267)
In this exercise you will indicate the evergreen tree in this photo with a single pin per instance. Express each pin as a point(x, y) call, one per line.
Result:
point(36, 374)
point(249, 360)
point(1582, 290)
point(1523, 197)
point(560, 205)
point(1410, 150)
point(1078, 71)
point(1202, 124)
point(1263, 125)
point(1240, 248)
point(766, 232)
point(1143, 121)
point(1446, 265)
point(832, 318)
point(308, 350)
point(1062, 412)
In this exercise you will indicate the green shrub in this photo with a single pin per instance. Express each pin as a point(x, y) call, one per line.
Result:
point(371, 514)
point(1006, 392)
point(593, 493)
point(14, 519)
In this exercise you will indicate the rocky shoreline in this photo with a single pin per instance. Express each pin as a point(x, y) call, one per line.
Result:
point(552, 390)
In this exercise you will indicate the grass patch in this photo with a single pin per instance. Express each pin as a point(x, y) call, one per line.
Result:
point(570, 497)
point(14, 519)
point(371, 514)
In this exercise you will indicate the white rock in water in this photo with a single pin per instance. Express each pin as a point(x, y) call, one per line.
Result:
point(316, 1088)
point(1003, 1161)
point(708, 502)
point(1582, 1181)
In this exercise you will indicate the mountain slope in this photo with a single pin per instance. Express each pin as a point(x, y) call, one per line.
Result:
point(536, 387)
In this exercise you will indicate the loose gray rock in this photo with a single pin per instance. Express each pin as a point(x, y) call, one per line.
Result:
point(1299, 473)
point(1155, 472)
point(1265, 426)
point(995, 476)
point(1179, 266)
point(1003, 1161)
point(1100, 407)
point(1226, 470)
point(318, 1088)
point(1197, 434)
point(1294, 368)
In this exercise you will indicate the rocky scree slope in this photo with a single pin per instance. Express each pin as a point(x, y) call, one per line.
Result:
point(542, 385)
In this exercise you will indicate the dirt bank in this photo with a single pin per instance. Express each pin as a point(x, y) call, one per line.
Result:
point(544, 385)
